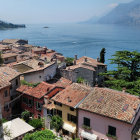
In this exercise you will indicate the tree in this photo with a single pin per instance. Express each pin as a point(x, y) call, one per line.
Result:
point(127, 73)
point(102, 55)
point(25, 115)
point(37, 123)
point(1, 59)
point(56, 123)
point(69, 61)
point(41, 135)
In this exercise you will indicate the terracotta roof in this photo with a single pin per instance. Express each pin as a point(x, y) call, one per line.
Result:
point(11, 41)
point(8, 73)
point(63, 82)
point(4, 83)
point(80, 66)
point(39, 91)
point(111, 103)
point(72, 95)
point(7, 55)
point(90, 61)
point(136, 130)
point(32, 65)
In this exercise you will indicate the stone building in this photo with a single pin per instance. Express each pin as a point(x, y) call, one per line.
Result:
point(87, 68)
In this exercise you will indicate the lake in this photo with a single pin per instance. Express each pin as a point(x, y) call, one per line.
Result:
point(80, 39)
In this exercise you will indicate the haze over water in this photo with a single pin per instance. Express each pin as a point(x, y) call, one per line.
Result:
point(80, 39)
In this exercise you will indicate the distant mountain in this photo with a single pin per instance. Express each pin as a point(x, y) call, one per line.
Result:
point(5, 25)
point(127, 14)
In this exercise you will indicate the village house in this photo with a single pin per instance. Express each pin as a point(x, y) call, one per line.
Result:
point(14, 42)
point(5, 97)
point(65, 105)
point(4, 48)
point(108, 114)
point(12, 76)
point(87, 68)
point(33, 97)
point(39, 50)
point(25, 47)
point(35, 71)
point(9, 57)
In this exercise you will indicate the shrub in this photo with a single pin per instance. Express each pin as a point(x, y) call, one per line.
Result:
point(25, 115)
point(37, 123)
point(41, 135)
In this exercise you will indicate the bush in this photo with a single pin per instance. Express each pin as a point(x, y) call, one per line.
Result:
point(56, 123)
point(69, 61)
point(23, 82)
point(25, 115)
point(37, 123)
point(41, 135)
point(80, 80)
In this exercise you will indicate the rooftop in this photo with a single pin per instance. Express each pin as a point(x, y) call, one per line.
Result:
point(31, 65)
point(72, 95)
point(7, 55)
point(7, 74)
point(17, 127)
point(111, 103)
point(38, 92)
point(63, 82)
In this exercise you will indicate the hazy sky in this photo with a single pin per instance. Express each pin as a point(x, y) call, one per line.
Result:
point(54, 11)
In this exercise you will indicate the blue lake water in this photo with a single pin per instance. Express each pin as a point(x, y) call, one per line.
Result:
point(80, 39)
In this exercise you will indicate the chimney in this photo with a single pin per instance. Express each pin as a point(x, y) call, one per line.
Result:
point(98, 60)
point(85, 59)
point(124, 90)
point(75, 57)
point(69, 100)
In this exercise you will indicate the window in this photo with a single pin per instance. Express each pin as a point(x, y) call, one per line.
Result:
point(58, 112)
point(136, 139)
point(16, 82)
point(71, 109)
point(6, 107)
point(86, 121)
point(39, 76)
point(56, 103)
point(71, 118)
point(38, 106)
point(111, 130)
point(25, 100)
point(30, 103)
point(6, 59)
point(5, 93)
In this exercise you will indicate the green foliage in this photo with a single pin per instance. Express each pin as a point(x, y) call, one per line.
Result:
point(37, 123)
point(25, 115)
point(23, 82)
point(127, 73)
point(56, 123)
point(4, 120)
point(80, 80)
point(69, 61)
point(102, 55)
point(41, 135)
point(1, 59)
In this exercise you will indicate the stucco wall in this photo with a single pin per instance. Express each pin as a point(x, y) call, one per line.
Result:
point(3, 101)
point(10, 60)
point(100, 125)
point(40, 76)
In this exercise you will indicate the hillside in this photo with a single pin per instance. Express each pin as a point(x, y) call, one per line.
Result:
point(4, 25)
point(126, 14)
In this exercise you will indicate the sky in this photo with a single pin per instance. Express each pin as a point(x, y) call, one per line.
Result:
point(54, 11)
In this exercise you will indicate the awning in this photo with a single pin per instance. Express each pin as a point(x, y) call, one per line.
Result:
point(16, 127)
point(89, 136)
point(69, 128)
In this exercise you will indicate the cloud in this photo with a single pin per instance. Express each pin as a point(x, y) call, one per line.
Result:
point(113, 5)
